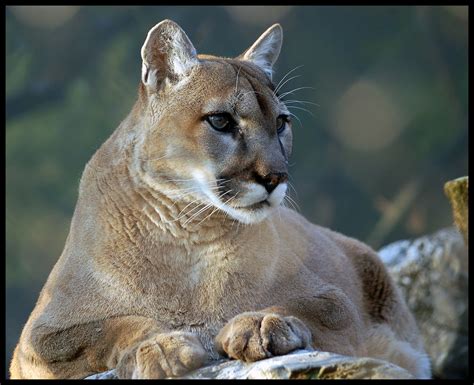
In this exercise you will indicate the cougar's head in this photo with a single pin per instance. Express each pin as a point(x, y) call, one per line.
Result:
point(213, 129)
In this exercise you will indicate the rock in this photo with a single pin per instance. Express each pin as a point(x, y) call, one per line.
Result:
point(108, 375)
point(432, 272)
point(302, 364)
point(457, 192)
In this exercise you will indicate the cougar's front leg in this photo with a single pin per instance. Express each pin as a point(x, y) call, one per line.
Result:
point(136, 346)
point(253, 336)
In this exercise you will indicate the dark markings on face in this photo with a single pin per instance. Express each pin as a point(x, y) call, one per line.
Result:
point(282, 149)
point(255, 80)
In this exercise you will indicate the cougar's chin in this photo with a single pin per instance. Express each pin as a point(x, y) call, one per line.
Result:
point(256, 212)
point(250, 207)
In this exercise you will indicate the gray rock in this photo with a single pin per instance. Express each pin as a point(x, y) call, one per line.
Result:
point(301, 364)
point(108, 375)
point(432, 272)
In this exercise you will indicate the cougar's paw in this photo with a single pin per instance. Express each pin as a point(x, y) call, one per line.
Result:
point(164, 355)
point(253, 336)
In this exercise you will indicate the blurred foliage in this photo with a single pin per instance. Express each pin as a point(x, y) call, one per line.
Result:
point(396, 77)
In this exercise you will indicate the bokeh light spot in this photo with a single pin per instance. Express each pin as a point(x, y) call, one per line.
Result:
point(44, 16)
point(366, 118)
point(257, 15)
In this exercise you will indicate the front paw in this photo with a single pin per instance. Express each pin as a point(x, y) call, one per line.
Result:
point(164, 355)
point(254, 336)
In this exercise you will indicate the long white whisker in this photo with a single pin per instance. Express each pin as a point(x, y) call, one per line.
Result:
point(301, 102)
point(204, 208)
point(189, 211)
point(192, 189)
point(152, 159)
point(294, 90)
point(197, 213)
point(192, 179)
point(292, 187)
point(287, 203)
point(217, 208)
point(303, 109)
point(292, 114)
point(185, 207)
point(289, 72)
point(293, 203)
point(208, 216)
point(286, 81)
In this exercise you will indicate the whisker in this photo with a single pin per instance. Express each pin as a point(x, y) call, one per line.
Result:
point(289, 72)
point(217, 208)
point(192, 179)
point(151, 159)
point(179, 180)
point(302, 102)
point(298, 119)
point(292, 187)
point(286, 81)
point(197, 213)
point(204, 208)
point(189, 211)
point(293, 203)
point(294, 90)
point(303, 109)
point(288, 204)
point(192, 189)
point(208, 216)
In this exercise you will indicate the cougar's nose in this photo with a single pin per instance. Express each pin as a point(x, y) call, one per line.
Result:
point(272, 180)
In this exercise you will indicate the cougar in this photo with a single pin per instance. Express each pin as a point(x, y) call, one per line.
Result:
point(180, 251)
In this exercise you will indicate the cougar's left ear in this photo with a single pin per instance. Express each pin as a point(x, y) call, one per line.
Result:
point(166, 53)
point(264, 52)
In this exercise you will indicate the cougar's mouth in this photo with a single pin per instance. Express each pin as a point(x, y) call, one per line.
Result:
point(255, 206)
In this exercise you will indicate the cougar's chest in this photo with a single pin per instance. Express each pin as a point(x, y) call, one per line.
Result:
point(188, 285)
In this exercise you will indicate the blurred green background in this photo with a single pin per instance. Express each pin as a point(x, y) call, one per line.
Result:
point(391, 85)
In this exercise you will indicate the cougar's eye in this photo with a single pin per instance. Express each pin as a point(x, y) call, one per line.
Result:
point(220, 122)
point(281, 123)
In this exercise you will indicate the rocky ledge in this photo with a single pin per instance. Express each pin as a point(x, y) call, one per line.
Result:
point(301, 364)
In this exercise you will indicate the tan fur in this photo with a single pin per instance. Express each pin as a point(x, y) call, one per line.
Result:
point(149, 277)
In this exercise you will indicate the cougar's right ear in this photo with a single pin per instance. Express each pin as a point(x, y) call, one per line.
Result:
point(166, 53)
point(264, 52)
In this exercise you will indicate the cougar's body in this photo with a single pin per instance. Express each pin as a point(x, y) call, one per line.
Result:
point(180, 251)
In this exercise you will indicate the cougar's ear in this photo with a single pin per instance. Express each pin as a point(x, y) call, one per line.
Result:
point(166, 53)
point(264, 52)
